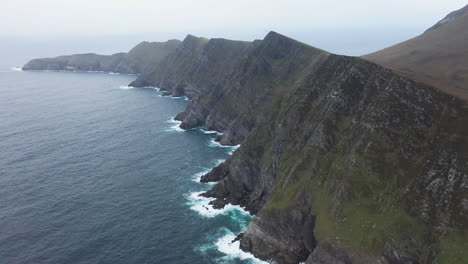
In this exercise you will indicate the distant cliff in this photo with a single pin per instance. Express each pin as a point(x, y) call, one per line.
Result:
point(342, 160)
point(140, 59)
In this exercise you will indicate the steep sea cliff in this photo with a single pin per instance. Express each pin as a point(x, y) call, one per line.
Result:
point(341, 160)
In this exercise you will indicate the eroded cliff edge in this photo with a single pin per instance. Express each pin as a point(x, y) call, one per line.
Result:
point(342, 160)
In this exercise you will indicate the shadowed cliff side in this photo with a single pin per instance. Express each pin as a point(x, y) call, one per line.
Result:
point(139, 59)
point(342, 160)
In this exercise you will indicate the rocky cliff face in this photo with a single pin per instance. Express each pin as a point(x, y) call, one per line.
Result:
point(141, 58)
point(342, 160)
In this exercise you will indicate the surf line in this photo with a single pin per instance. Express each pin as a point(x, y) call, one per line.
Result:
point(224, 241)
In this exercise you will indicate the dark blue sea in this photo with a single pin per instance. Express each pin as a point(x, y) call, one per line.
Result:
point(92, 171)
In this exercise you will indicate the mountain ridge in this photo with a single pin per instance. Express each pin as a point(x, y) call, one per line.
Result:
point(438, 57)
point(449, 18)
point(306, 118)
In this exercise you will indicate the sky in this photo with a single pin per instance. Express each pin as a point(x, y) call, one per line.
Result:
point(346, 27)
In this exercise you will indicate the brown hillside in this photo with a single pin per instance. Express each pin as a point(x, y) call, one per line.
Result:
point(439, 57)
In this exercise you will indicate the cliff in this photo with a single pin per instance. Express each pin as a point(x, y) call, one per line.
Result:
point(139, 59)
point(342, 160)
point(438, 57)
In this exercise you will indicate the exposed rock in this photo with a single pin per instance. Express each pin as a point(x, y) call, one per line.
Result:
point(217, 173)
point(326, 254)
point(285, 236)
point(335, 149)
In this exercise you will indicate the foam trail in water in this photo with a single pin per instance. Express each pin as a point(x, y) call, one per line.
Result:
point(215, 144)
point(201, 205)
point(211, 132)
point(114, 73)
point(219, 161)
point(123, 87)
point(232, 249)
point(16, 69)
point(197, 176)
point(232, 149)
point(175, 126)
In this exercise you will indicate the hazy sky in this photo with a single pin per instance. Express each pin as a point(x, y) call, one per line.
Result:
point(335, 24)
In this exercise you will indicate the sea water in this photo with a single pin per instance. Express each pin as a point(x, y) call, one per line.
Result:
point(94, 171)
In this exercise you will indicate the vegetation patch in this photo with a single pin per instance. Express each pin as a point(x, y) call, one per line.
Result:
point(454, 248)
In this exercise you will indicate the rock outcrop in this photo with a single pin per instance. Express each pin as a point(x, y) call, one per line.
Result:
point(342, 160)
point(141, 58)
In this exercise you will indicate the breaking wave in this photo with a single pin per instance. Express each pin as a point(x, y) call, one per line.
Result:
point(224, 243)
point(215, 144)
point(231, 248)
point(124, 87)
point(233, 149)
point(201, 205)
point(175, 126)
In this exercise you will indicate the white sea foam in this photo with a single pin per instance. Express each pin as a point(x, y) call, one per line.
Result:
point(16, 69)
point(176, 97)
point(215, 144)
point(232, 249)
point(114, 73)
point(219, 161)
point(150, 87)
point(126, 87)
point(211, 132)
point(201, 205)
point(175, 126)
point(232, 149)
point(197, 176)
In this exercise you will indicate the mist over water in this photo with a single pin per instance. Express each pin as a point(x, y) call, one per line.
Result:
point(94, 173)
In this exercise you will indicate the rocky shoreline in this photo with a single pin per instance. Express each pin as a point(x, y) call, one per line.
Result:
point(341, 160)
point(308, 119)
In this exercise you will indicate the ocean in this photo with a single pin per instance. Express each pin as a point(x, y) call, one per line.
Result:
point(93, 171)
